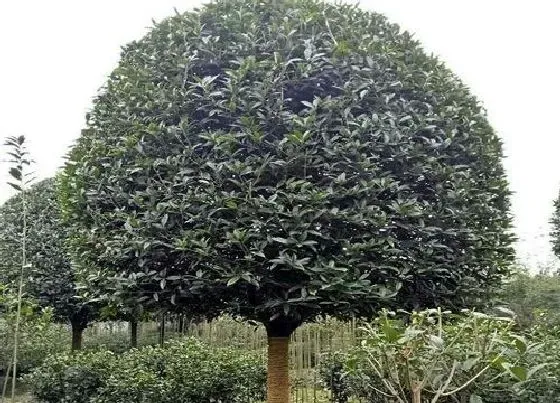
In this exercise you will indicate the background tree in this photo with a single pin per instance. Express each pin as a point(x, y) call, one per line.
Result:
point(50, 279)
point(533, 298)
point(286, 160)
point(21, 178)
point(555, 232)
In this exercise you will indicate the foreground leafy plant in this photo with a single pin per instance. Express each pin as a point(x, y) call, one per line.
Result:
point(437, 357)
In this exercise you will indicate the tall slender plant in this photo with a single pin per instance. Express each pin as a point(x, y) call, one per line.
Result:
point(21, 178)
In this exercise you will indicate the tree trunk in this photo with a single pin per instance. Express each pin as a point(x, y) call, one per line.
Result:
point(77, 332)
point(162, 330)
point(416, 392)
point(133, 324)
point(181, 324)
point(278, 376)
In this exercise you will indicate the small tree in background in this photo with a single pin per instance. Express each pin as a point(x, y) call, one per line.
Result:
point(21, 178)
point(555, 232)
point(285, 160)
point(533, 298)
point(50, 279)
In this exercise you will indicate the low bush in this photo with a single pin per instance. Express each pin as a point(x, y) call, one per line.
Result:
point(39, 337)
point(440, 357)
point(544, 387)
point(182, 371)
point(71, 378)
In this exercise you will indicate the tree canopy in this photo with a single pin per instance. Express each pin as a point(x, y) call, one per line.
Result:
point(50, 279)
point(286, 166)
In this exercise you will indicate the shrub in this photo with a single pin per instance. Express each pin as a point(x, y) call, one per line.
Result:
point(545, 386)
point(439, 357)
point(182, 371)
point(334, 377)
point(39, 337)
point(71, 378)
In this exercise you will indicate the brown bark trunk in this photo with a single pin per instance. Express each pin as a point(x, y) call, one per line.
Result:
point(133, 333)
point(278, 377)
point(77, 332)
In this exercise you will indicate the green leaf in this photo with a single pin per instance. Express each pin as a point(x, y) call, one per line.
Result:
point(520, 343)
point(391, 333)
point(468, 364)
point(15, 186)
point(15, 173)
point(519, 372)
point(436, 341)
point(233, 280)
point(475, 399)
point(128, 227)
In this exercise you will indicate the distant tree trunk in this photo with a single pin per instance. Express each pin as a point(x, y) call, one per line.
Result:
point(181, 324)
point(77, 335)
point(162, 330)
point(133, 324)
point(79, 320)
point(6, 377)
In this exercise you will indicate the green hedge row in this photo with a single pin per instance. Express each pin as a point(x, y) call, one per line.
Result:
point(182, 371)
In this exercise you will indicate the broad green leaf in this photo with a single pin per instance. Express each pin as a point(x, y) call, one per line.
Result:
point(475, 399)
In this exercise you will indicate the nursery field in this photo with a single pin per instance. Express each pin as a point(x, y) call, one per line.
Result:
point(272, 201)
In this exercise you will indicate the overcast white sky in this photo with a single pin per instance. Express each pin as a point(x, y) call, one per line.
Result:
point(55, 54)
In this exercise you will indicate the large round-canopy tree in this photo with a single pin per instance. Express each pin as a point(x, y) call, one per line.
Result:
point(283, 160)
point(50, 280)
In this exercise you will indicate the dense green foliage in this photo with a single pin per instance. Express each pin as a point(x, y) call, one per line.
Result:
point(446, 359)
point(49, 279)
point(185, 371)
point(288, 159)
point(72, 378)
point(535, 299)
point(545, 386)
